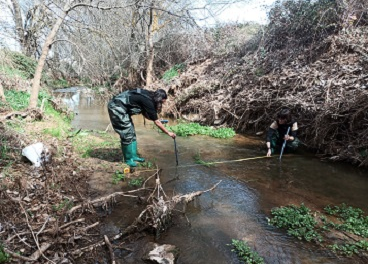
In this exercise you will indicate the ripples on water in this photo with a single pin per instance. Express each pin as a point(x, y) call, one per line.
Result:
point(238, 208)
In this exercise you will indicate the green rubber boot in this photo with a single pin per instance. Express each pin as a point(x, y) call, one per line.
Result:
point(128, 153)
point(135, 154)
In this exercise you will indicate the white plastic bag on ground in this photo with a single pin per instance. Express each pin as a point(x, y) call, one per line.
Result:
point(36, 153)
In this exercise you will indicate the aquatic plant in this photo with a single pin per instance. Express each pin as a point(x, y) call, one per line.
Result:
point(198, 160)
point(348, 249)
point(298, 221)
point(353, 219)
point(190, 129)
point(245, 253)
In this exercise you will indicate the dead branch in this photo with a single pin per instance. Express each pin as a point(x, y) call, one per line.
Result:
point(328, 94)
point(31, 114)
point(106, 198)
point(155, 216)
point(109, 246)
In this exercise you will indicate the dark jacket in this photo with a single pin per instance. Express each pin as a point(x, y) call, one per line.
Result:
point(282, 130)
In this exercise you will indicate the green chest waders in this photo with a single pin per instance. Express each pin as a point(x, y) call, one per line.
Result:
point(120, 112)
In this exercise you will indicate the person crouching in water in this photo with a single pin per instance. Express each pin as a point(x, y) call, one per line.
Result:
point(134, 102)
point(277, 133)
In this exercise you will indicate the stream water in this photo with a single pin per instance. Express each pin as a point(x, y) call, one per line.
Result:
point(239, 206)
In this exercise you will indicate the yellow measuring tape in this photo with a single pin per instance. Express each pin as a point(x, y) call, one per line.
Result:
point(225, 161)
point(211, 163)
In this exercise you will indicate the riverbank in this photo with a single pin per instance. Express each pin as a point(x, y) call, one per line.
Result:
point(49, 212)
point(327, 94)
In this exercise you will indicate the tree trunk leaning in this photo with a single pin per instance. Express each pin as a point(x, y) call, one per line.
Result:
point(41, 62)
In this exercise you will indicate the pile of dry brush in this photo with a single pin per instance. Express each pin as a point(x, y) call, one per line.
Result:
point(322, 79)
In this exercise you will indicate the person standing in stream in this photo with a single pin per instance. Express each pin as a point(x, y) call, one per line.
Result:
point(277, 133)
point(134, 102)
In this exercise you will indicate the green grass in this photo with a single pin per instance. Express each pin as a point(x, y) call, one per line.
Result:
point(85, 144)
point(11, 72)
point(190, 129)
point(57, 83)
point(17, 64)
point(24, 64)
point(173, 72)
point(16, 125)
point(245, 253)
point(57, 132)
point(63, 129)
point(18, 100)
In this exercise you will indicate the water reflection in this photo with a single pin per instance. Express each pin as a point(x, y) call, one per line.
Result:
point(91, 112)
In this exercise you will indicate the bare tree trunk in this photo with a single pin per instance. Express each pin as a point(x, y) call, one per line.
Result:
point(151, 57)
point(135, 56)
point(151, 50)
point(19, 24)
point(2, 95)
point(45, 50)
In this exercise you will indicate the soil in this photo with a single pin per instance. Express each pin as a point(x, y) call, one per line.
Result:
point(54, 213)
point(37, 222)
